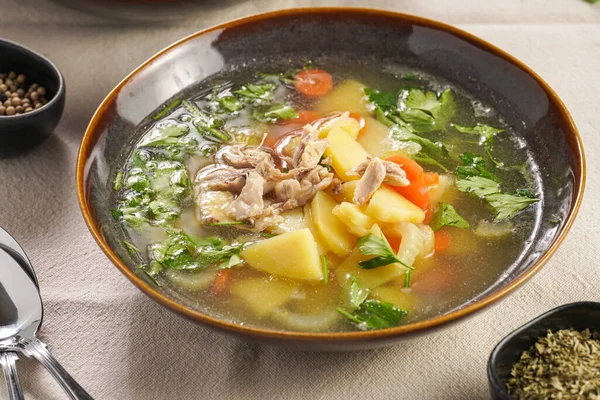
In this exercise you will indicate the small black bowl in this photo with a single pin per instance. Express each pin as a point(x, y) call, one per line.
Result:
point(19, 133)
point(578, 316)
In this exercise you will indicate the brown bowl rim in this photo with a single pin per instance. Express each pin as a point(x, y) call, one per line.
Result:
point(91, 135)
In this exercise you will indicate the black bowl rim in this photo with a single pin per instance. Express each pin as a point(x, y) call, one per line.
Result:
point(500, 387)
point(61, 82)
point(90, 139)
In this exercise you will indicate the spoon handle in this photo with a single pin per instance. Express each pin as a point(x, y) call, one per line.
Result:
point(38, 350)
point(7, 360)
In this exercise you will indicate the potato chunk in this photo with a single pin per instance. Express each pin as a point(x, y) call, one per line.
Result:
point(262, 295)
point(375, 137)
point(347, 96)
point(401, 298)
point(354, 218)
point(332, 231)
point(345, 153)
point(292, 254)
point(348, 188)
point(347, 124)
point(387, 205)
point(369, 278)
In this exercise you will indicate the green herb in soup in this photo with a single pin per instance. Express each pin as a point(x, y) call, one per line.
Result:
point(304, 200)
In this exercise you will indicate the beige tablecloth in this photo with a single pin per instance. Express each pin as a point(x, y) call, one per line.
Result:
point(121, 345)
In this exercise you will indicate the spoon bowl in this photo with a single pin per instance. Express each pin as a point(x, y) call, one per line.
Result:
point(21, 314)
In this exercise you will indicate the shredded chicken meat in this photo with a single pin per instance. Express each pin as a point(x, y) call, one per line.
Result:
point(257, 190)
point(373, 172)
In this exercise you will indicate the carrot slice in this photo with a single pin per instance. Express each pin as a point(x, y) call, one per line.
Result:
point(394, 242)
point(442, 240)
point(428, 216)
point(434, 281)
point(313, 82)
point(360, 119)
point(416, 192)
point(431, 178)
point(304, 117)
point(222, 281)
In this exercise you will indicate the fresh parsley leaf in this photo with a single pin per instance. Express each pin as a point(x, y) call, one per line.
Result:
point(118, 181)
point(485, 131)
point(229, 104)
point(420, 100)
point(131, 248)
point(424, 159)
point(478, 185)
point(407, 279)
point(252, 92)
point(433, 150)
point(371, 245)
point(274, 113)
point(163, 113)
point(506, 205)
point(184, 251)
point(151, 271)
point(375, 314)
point(226, 223)
point(379, 314)
point(210, 127)
point(357, 293)
point(424, 111)
point(474, 165)
point(385, 100)
point(486, 134)
point(168, 135)
point(446, 215)
point(325, 266)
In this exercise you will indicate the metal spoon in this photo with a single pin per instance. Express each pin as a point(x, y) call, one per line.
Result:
point(10, 245)
point(8, 359)
point(21, 314)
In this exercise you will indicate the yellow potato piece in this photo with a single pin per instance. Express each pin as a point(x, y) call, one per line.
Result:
point(293, 255)
point(354, 218)
point(369, 278)
point(347, 96)
point(348, 188)
point(347, 124)
point(400, 297)
point(345, 153)
point(331, 230)
point(293, 220)
point(387, 205)
point(262, 295)
point(321, 247)
point(375, 137)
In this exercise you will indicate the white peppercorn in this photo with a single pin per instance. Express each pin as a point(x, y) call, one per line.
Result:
point(17, 97)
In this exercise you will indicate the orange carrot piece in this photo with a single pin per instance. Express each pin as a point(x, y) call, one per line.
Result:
point(431, 178)
point(416, 192)
point(394, 242)
point(222, 281)
point(442, 240)
point(313, 82)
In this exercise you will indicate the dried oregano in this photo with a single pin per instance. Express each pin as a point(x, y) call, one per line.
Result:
point(563, 365)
